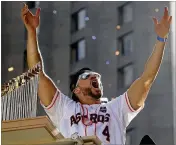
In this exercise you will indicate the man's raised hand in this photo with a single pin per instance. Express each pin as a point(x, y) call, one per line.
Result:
point(30, 21)
point(162, 27)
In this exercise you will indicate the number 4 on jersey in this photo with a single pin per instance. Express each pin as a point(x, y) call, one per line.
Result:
point(106, 133)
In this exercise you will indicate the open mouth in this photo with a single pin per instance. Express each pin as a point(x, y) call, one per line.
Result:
point(95, 84)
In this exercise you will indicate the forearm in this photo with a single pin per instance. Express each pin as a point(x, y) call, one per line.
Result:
point(138, 91)
point(33, 53)
point(153, 64)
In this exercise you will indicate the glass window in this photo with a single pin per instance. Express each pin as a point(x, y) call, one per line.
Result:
point(31, 4)
point(125, 76)
point(125, 13)
point(38, 30)
point(81, 19)
point(128, 140)
point(78, 51)
point(25, 65)
point(74, 23)
point(81, 49)
point(78, 21)
point(128, 75)
point(126, 44)
point(73, 56)
point(37, 4)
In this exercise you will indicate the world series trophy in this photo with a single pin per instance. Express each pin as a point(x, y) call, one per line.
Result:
point(20, 126)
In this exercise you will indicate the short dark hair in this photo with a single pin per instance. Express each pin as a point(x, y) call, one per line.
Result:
point(73, 80)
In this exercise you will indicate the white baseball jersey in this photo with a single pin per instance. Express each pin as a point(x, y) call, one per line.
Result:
point(107, 121)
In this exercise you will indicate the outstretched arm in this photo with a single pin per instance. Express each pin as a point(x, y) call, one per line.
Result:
point(47, 89)
point(139, 90)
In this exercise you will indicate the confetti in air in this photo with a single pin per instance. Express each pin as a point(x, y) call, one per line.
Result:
point(118, 27)
point(54, 12)
point(87, 18)
point(58, 81)
point(107, 62)
point(156, 10)
point(117, 52)
point(10, 69)
point(93, 37)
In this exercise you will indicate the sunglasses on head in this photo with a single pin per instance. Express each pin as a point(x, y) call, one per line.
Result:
point(86, 75)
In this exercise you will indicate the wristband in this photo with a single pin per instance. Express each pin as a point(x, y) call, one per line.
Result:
point(161, 39)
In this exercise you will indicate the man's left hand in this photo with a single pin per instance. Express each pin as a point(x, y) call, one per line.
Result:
point(162, 27)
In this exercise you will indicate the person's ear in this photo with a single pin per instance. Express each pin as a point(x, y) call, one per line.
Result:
point(77, 91)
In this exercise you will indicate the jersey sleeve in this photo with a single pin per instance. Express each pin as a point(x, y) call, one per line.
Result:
point(55, 110)
point(123, 110)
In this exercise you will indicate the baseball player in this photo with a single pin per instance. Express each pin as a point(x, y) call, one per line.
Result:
point(83, 113)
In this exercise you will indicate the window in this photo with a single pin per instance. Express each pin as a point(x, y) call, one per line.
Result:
point(78, 20)
point(81, 19)
point(126, 44)
point(25, 65)
point(125, 13)
point(38, 30)
point(73, 3)
point(128, 75)
point(70, 93)
point(31, 4)
point(125, 76)
point(37, 4)
point(81, 50)
point(128, 140)
point(129, 132)
point(78, 51)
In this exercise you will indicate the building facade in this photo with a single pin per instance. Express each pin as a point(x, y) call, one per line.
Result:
point(113, 38)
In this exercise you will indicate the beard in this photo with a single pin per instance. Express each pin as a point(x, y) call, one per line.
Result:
point(89, 92)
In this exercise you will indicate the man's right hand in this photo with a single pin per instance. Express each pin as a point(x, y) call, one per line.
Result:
point(30, 21)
